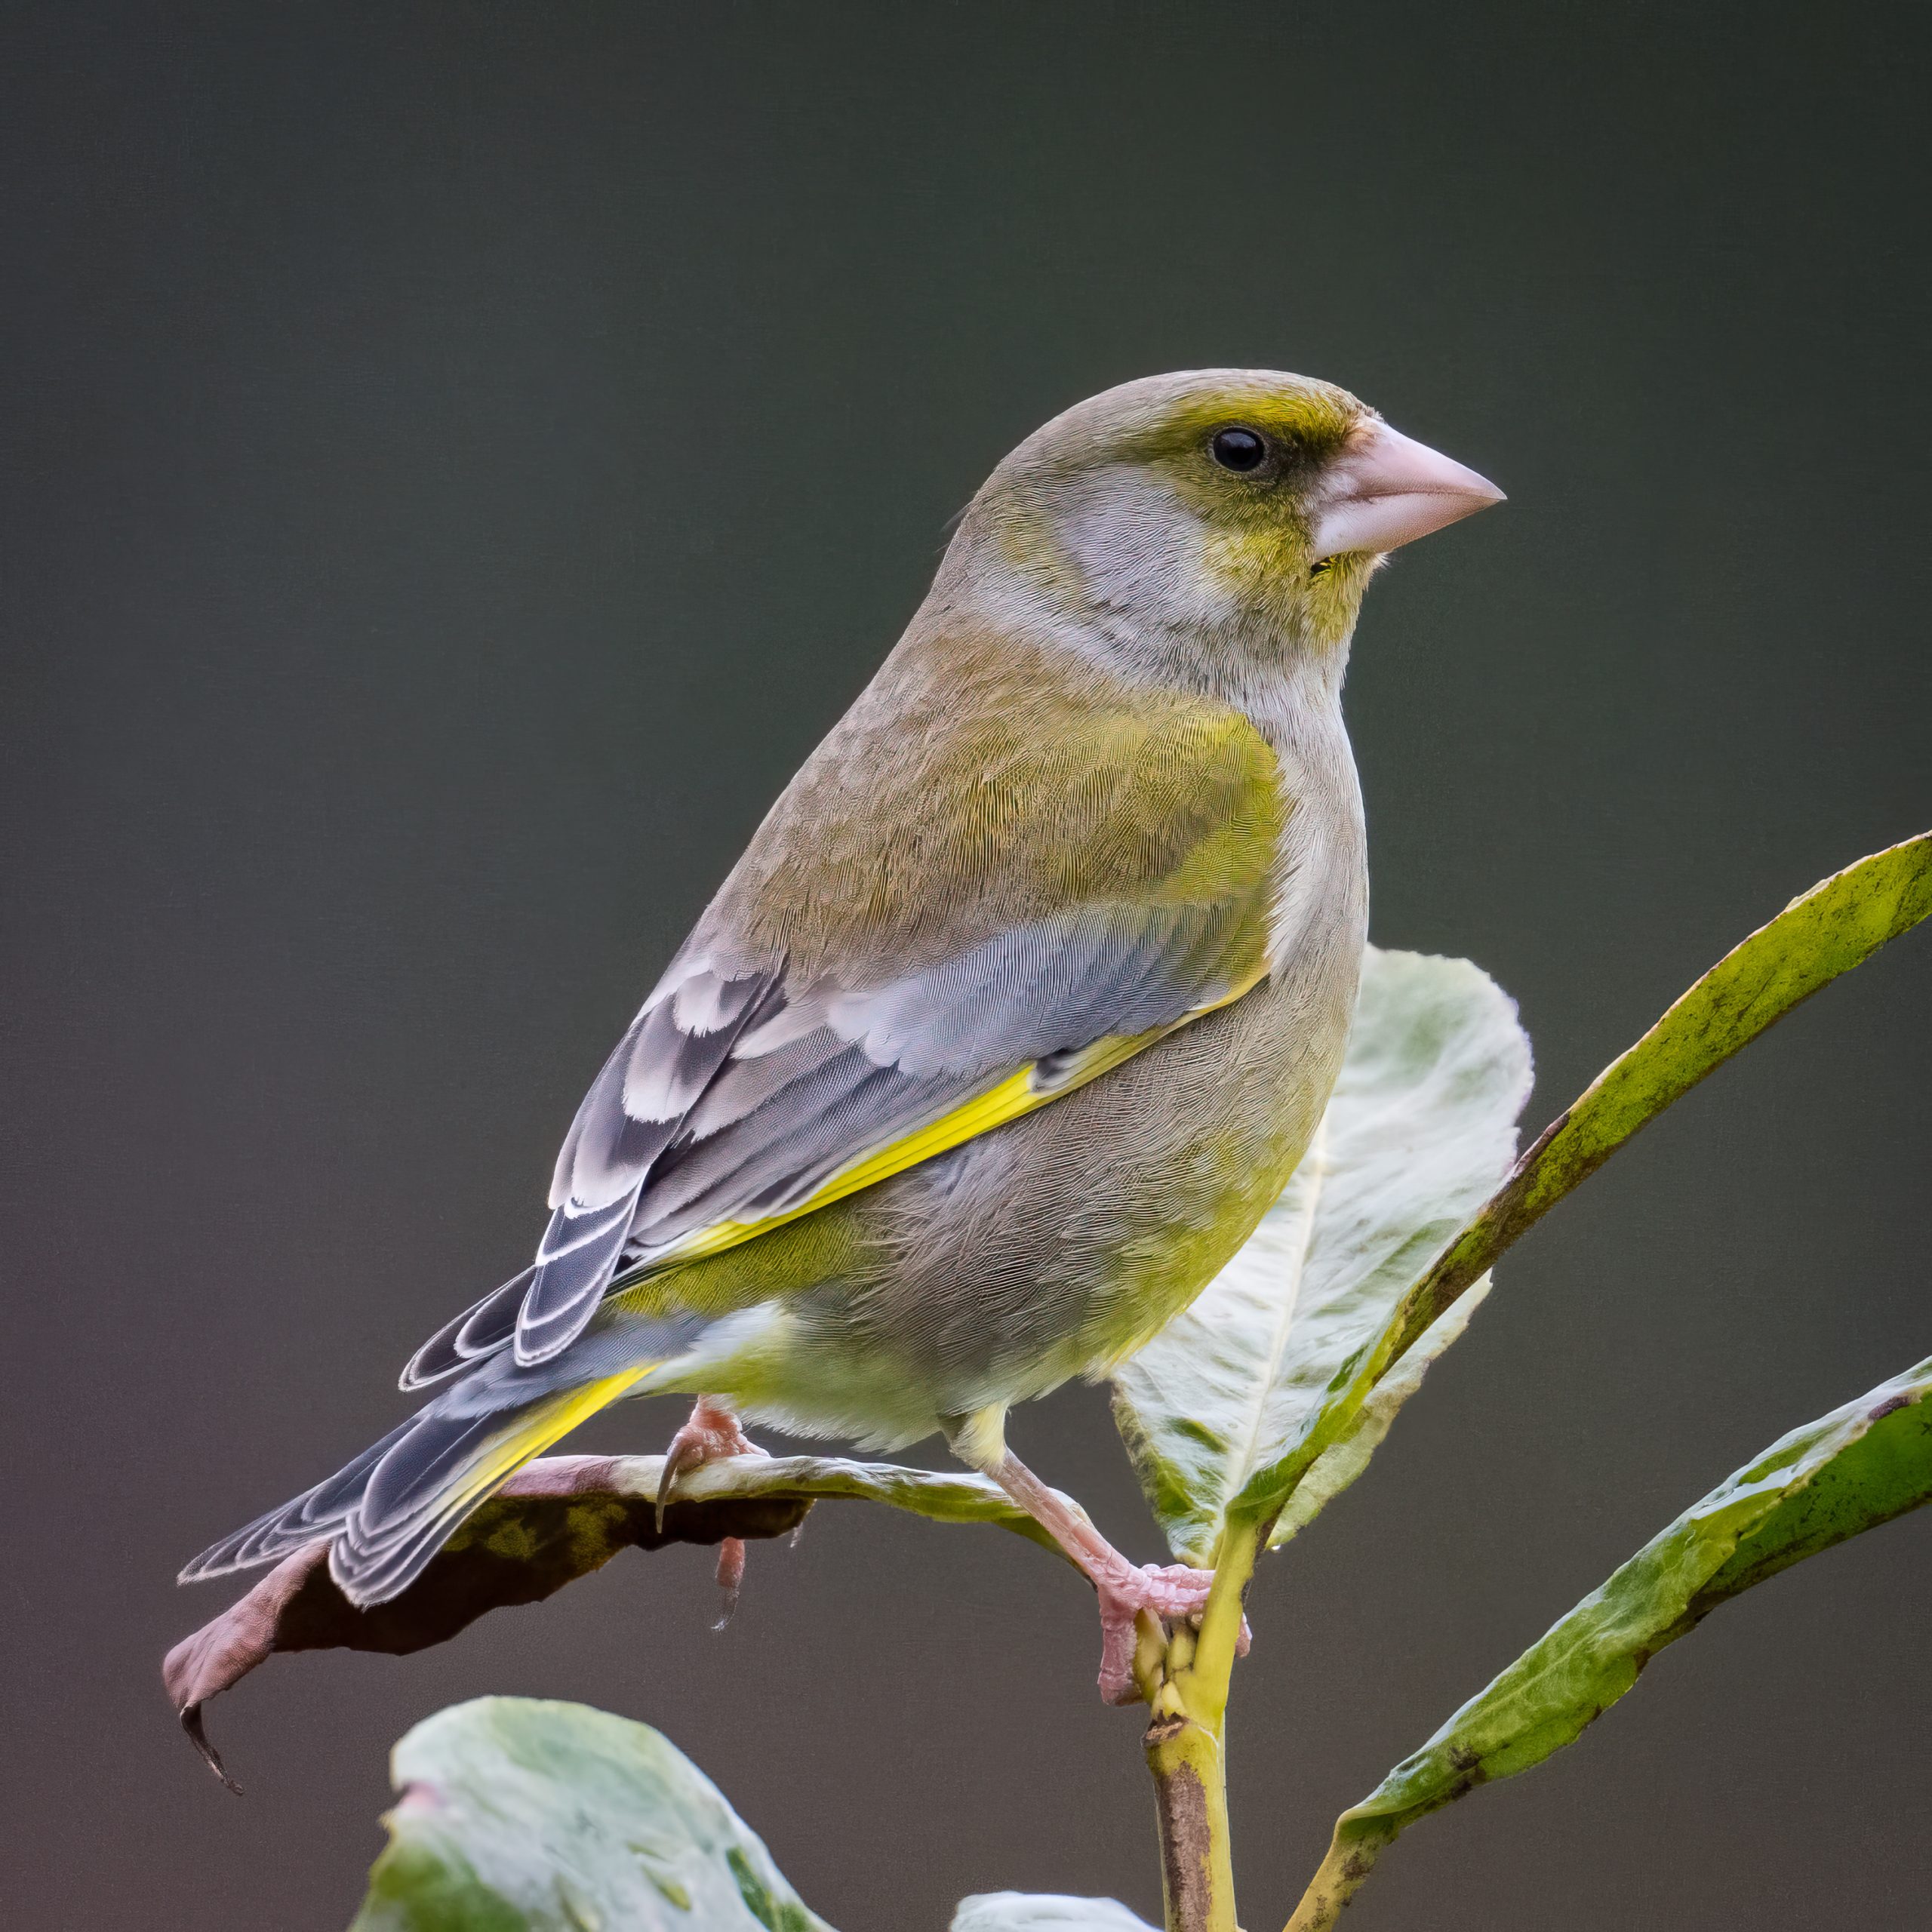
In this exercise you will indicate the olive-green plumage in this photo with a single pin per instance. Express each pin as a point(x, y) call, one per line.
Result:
point(1020, 1007)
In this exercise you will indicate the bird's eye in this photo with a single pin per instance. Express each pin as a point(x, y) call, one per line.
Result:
point(1240, 450)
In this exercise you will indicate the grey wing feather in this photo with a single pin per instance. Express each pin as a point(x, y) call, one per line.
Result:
point(736, 1094)
point(661, 1067)
point(480, 1329)
point(859, 1068)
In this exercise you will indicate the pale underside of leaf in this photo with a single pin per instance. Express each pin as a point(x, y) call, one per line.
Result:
point(1043, 1911)
point(1420, 1128)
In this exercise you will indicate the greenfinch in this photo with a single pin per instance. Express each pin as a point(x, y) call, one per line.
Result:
point(1020, 1010)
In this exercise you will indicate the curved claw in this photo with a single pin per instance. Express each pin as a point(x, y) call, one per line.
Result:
point(710, 1435)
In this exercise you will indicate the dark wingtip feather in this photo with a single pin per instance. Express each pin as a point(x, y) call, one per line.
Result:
point(369, 1575)
point(484, 1328)
point(574, 1268)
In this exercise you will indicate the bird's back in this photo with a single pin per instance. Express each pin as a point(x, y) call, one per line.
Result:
point(1049, 1247)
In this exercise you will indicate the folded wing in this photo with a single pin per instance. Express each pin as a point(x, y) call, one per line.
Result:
point(763, 1078)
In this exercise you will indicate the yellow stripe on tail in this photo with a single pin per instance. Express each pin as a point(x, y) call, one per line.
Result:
point(374, 1562)
point(546, 1423)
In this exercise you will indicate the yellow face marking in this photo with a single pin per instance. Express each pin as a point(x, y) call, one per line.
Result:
point(1012, 1098)
point(1313, 417)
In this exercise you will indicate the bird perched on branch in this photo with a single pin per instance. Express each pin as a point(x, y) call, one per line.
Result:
point(1021, 1008)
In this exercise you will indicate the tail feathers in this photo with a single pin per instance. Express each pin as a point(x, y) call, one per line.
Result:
point(391, 1509)
point(575, 1260)
point(319, 1511)
point(542, 1310)
point(422, 1489)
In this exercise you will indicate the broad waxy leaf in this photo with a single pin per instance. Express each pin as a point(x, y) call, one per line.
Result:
point(520, 1816)
point(1420, 1128)
point(1043, 1911)
point(1839, 924)
point(1857, 1467)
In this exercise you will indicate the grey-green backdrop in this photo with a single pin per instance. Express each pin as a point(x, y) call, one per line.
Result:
point(456, 460)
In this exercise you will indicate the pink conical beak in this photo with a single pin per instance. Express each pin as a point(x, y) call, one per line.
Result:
point(1387, 489)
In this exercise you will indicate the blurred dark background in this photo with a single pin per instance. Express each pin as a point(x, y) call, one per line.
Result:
point(458, 460)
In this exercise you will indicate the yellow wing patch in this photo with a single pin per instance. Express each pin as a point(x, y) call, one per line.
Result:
point(1018, 1094)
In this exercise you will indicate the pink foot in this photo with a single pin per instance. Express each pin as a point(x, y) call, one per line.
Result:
point(1168, 1591)
point(710, 1434)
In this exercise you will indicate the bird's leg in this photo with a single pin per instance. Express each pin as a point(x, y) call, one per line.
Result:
point(1167, 1590)
point(710, 1434)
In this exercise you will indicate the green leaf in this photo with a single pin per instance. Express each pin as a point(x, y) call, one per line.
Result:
point(1421, 1127)
point(1859, 1467)
point(1839, 924)
point(518, 1816)
point(1043, 1911)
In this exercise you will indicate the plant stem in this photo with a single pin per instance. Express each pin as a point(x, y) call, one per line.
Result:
point(1186, 1683)
point(1191, 1797)
point(1212, 1665)
point(1349, 1861)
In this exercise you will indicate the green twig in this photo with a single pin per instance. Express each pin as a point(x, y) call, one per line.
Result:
point(1351, 1857)
point(1185, 1679)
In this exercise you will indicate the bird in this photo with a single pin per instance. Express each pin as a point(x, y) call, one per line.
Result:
point(1020, 1008)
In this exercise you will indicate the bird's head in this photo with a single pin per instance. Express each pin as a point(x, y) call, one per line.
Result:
point(1215, 506)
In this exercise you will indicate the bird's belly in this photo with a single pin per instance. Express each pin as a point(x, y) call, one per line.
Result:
point(1054, 1246)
